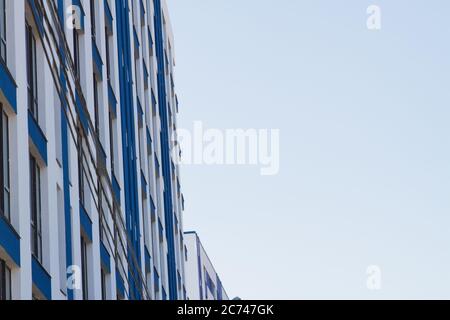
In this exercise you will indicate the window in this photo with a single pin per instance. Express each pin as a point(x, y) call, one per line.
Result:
point(5, 281)
point(156, 282)
point(102, 225)
point(108, 62)
point(145, 220)
point(93, 27)
point(61, 239)
point(58, 136)
point(103, 284)
point(5, 210)
point(84, 269)
point(141, 139)
point(32, 73)
point(76, 53)
point(96, 106)
point(81, 174)
point(111, 140)
point(36, 221)
point(3, 31)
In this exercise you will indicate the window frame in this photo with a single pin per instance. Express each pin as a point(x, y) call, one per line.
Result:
point(93, 21)
point(84, 268)
point(81, 170)
point(103, 283)
point(108, 53)
point(35, 209)
point(111, 141)
point(5, 281)
point(96, 105)
point(5, 178)
point(76, 53)
point(3, 33)
point(32, 83)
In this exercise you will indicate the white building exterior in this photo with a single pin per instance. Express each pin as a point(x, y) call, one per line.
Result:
point(202, 280)
point(91, 193)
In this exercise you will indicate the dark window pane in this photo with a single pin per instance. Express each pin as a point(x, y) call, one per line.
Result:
point(5, 281)
point(4, 165)
point(3, 31)
point(35, 202)
point(31, 72)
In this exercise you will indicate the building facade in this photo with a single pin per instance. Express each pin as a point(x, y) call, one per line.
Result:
point(202, 280)
point(91, 206)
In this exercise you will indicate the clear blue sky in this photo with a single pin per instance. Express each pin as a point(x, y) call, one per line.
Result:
point(365, 144)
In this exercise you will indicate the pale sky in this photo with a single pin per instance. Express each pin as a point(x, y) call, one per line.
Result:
point(365, 144)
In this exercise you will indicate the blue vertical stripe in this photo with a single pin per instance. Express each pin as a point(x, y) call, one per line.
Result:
point(165, 146)
point(128, 141)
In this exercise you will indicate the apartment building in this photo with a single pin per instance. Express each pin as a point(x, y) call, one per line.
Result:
point(91, 206)
point(202, 280)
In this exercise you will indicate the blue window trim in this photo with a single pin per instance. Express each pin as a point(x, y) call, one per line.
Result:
point(137, 44)
point(101, 156)
point(38, 137)
point(219, 289)
point(105, 258)
point(8, 87)
point(143, 183)
point(153, 99)
point(148, 260)
point(41, 278)
point(142, 10)
point(155, 277)
point(152, 208)
point(81, 113)
point(150, 39)
point(149, 138)
point(140, 112)
point(209, 282)
point(108, 17)
point(10, 240)
point(146, 74)
point(116, 188)
point(85, 222)
point(112, 100)
point(160, 228)
point(98, 62)
point(157, 165)
point(120, 284)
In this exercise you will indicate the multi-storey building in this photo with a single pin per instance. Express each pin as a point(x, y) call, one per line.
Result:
point(91, 206)
point(202, 280)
